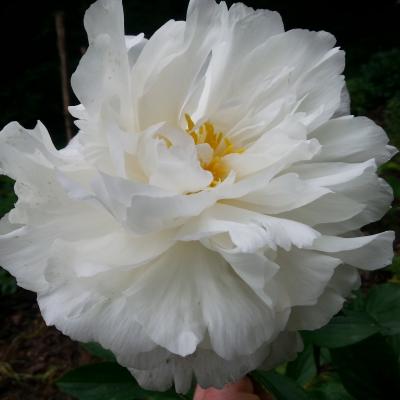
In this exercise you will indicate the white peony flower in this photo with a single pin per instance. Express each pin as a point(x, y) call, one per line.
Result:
point(210, 205)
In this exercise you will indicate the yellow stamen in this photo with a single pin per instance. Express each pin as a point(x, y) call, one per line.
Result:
point(166, 140)
point(220, 145)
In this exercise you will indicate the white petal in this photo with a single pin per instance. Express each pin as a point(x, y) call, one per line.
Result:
point(174, 166)
point(331, 173)
point(352, 139)
point(314, 317)
point(283, 349)
point(145, 208)
point(306, 57)
point(210, 370)
point(285, 145)
point(248, 230)
point(367, 189)
point(284, 193)
point(343, 282)
point(103, 75)
point(304, 275)
point(105, 17)
point(330, 208)
point(254, 268)
point(193, 282)
point(366, 252)
point(134, 45)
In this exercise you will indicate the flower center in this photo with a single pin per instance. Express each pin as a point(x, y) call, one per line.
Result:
point(220, 147)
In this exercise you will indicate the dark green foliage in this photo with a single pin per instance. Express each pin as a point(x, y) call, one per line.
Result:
point(303, 368)
point(7, 195)
point(98, 351)
point(377, 82)
point(7, 200)
point(281, 386)
point(379, 312)
point(328, 386)
point(7, 283)
point(368, 369)
point(107, 381)
point(392, 119)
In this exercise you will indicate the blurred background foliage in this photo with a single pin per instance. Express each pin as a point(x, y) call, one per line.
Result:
point(356, 356)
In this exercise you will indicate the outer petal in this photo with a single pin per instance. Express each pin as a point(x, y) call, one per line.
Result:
point(353, 139)
point(212, 370)
point(343, 282)
point(367, 252)
point(43, 211)
point(103, 74)
point(303, 275)
point(301, 59)
point(358, 196)
point(204, 286)
point(185, 291)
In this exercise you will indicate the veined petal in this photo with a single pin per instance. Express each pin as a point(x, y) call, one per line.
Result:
point(283, 193)
point(303, 275)
point(343, 282)
point(366, 252)
point(204, 285)
point(248, 230)
point(352, 139)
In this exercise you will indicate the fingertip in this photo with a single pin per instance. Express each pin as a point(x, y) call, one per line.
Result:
point(240, 390)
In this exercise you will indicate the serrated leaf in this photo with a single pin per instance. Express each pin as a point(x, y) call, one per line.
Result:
point(107, 381)
point(281, 386)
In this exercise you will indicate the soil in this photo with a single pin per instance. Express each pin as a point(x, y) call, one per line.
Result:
point(32, 355)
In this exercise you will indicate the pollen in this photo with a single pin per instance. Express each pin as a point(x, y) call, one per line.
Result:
point(220, 145)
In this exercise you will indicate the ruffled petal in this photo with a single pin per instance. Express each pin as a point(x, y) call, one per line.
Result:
point(353, 139)
point(366, 252)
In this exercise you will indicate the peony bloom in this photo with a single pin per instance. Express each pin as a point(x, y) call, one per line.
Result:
point(210, 206)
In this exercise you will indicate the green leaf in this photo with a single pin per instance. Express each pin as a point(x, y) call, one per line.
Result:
point(395, 184)
point(344, 330)
point(107, 381)
point(98, 351)
point(281, 386)
point(383, 304)
point(395, 267)
point(7, 195)
point(379, 312)
point(302, 369)
point(368, 369)
point(8, 285)
point(328, 387)
point(330, 391)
